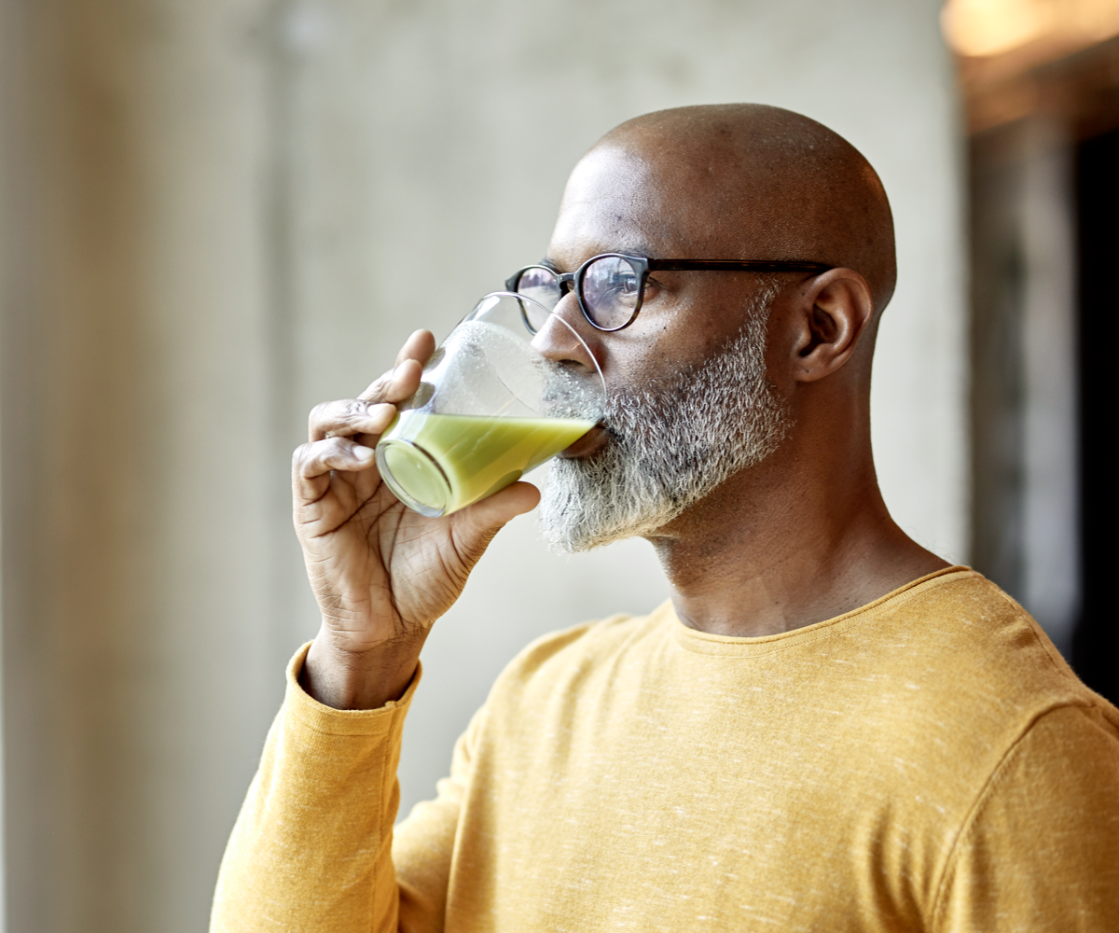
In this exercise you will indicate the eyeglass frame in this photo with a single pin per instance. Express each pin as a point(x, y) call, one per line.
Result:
point(573, 281)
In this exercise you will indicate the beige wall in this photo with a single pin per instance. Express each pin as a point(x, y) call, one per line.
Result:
point(139, 647)
point(219, 212)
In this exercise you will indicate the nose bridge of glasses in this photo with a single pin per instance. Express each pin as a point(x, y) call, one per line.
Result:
point(566, 281)
point(568, 307)
point(566, 285)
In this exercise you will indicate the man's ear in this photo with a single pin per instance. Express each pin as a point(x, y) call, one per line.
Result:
point(833, 312)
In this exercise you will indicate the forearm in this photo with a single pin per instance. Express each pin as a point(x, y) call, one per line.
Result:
point(311, 847)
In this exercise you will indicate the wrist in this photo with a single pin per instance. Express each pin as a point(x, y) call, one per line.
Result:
point(358, 680)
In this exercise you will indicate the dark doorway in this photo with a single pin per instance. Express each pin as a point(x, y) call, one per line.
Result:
point(1095, 652)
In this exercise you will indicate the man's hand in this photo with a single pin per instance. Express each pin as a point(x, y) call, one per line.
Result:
point(382, 574)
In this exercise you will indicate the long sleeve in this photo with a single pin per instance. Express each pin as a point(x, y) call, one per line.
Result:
point(311, 849)
point(1040, 851)
point(424, 844)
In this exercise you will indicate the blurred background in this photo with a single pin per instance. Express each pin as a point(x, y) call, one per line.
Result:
point(215, 213)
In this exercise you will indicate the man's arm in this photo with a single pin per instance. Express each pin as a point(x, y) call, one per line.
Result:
point(381, 573)
point(312, 847)
point(1040, 851)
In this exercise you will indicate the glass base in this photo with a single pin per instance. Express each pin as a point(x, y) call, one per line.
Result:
point(414, 477)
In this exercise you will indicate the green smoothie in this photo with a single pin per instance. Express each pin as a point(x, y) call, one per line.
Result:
point(438, 464)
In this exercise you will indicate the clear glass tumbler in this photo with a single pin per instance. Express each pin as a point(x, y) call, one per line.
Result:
point(489, 408)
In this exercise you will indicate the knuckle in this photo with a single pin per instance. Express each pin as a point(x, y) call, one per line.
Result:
point(319, 413)
point(307, 451)
point(300, 458)
point(377, 388)
point(335, 449)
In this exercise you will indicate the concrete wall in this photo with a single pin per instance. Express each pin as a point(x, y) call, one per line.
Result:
point(218, 213)
point(139, 639)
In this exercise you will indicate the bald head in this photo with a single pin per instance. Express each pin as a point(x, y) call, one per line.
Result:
point(747, 181)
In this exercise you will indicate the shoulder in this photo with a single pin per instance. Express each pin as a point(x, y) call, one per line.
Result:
point(560, 659)
point(969, 646)
point(1037, 849)
point(953, 679)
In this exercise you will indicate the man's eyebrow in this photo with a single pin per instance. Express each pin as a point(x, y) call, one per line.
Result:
point(551, 265)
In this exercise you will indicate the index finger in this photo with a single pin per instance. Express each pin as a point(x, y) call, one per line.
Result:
point(418, 347)
point(400, 382)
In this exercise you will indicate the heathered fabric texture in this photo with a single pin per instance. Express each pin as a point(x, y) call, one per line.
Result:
point(925, 763)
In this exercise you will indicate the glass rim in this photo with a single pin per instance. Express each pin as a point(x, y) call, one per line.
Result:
point(490, 300)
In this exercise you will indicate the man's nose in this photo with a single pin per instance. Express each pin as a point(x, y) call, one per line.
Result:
point(559, 339)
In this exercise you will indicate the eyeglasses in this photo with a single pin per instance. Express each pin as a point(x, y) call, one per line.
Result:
point(611, 287)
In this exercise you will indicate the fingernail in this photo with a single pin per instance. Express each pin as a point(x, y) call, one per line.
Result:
point(363, 453)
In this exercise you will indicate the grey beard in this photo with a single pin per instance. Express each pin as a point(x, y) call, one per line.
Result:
point(670, 446)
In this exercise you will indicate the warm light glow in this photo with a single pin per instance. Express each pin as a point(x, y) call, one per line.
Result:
point(991, 27)
point(988, 27)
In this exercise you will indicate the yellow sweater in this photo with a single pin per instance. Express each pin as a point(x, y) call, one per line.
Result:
point(925, 763)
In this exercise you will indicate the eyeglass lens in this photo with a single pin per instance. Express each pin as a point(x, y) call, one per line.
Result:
point(610, 291)
point(542, 285)
point(609, 288)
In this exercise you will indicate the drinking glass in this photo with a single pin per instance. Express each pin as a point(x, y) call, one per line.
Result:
point(490, 407)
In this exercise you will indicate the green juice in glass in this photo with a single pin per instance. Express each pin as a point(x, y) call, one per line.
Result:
point(443, 463)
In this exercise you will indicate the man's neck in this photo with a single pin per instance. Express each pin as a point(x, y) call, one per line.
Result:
point(784, 545)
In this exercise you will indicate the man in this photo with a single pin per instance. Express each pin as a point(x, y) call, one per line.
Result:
point(828, 728)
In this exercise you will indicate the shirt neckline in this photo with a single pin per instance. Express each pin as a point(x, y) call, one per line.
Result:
point(699, 642)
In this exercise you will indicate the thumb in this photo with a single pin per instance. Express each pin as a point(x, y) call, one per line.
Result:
point(474, 527)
